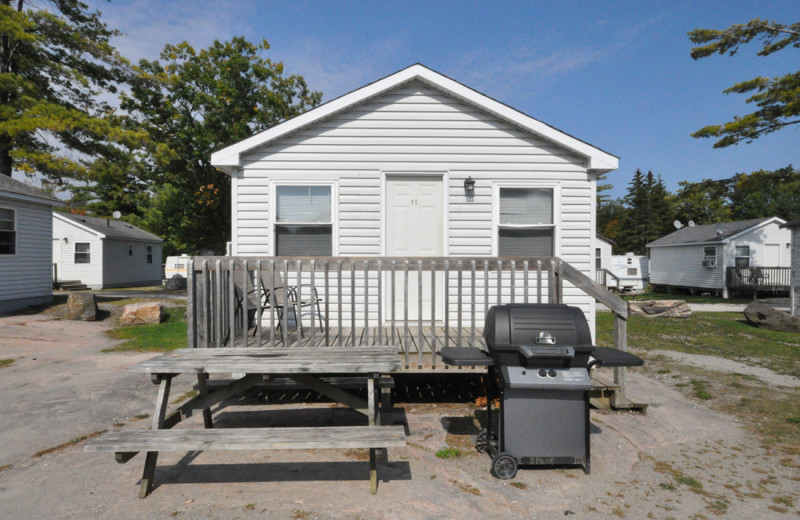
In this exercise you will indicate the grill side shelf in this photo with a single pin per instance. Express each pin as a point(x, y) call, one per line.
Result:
point(465, 356)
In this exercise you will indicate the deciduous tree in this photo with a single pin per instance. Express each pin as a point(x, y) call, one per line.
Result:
point(192, 103)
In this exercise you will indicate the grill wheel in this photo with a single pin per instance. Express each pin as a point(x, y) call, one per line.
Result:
point(483, 443)
point(504, 466)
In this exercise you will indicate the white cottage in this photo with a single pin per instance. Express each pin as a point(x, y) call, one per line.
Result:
point(416, 164)
point(26, 275)
point(724, 256)
point(100, 253)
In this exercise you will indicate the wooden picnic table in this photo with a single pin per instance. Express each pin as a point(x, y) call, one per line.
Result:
point(309, 367)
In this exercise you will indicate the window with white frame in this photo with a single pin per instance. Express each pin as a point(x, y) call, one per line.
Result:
point(8, 232)
point(303, 221)
point(83, 253)
point(149, 254)
point(710, 256)
point(742, 256)
point(598, 258)
point(525, 225)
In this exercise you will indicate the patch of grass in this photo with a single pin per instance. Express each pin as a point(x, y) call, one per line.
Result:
point(722, 334)
point(67, 444)
point(140, 416)
point(5, 363)
point(301, 514)
point(250, 506)
point(669, 486)
point(718, 507)
point(700, 390)
point(448, 453)
point(520, 485)
point(165, 336)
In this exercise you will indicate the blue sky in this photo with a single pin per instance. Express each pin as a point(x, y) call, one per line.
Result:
point(615, 74)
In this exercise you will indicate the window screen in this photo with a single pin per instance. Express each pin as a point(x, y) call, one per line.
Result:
point(83, 253)
point(8, 234)
point(525, 226)
point(303, 221)
point(742, 254)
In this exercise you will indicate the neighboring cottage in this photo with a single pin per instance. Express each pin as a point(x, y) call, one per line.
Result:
point(794, 226)
point(416, 164)
point(742, 256)
point(26, 275)
point(100, 252)
point(602, 260)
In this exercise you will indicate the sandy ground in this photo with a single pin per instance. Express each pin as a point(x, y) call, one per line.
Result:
point(682, 460)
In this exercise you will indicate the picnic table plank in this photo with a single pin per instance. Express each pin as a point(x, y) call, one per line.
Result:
point(293, 438)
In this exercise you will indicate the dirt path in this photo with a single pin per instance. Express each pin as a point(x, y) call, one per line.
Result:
point(682, 460)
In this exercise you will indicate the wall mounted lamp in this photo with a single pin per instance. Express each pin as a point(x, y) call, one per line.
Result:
point(469, 185)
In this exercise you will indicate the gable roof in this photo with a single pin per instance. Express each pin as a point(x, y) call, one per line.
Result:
point(15, 189)
point(711, 233)
point(229, 159)
point(107, 228)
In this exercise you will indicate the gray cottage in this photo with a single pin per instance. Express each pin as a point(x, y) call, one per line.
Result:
point(26, 275)
point(100, 252)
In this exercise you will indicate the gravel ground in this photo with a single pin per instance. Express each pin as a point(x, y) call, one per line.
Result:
point(681, 460)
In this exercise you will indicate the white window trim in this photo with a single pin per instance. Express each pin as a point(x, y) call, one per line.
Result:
point(75, 252)
point(16, 251)
point(273, 210)
point(749, 254)
point(556, 225)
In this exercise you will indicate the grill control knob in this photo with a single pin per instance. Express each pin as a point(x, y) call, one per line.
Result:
point(542, 372)
point(552, 373)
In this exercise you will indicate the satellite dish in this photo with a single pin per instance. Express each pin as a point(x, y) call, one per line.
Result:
point(117, 214)
point(691, 223)
point(677, 224)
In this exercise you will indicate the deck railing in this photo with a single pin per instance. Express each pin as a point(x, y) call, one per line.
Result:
point(418, 304)
point(601, 277)
point(752, 280)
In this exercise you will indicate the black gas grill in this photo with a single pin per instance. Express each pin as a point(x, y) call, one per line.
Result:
point(538, 358)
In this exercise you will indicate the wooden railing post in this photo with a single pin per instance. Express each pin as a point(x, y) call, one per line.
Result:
point(621, 343)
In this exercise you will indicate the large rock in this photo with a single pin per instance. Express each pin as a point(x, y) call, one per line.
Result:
point(142, 313)
point(763, 316)
point(176, 283)
point(660, 308)
point(81, 306)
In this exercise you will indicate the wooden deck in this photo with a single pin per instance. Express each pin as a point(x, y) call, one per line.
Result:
point(416, 346)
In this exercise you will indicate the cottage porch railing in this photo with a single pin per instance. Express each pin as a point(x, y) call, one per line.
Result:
point(374, 300)
point(752, 280)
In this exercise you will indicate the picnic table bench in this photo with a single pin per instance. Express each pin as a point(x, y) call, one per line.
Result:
point(310, 367)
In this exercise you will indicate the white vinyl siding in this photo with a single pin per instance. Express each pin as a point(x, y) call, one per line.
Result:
point(416, 129)
point(125, 263)
point(26, 277)
point(68, 235)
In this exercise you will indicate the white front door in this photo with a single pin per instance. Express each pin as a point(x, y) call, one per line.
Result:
point(414, 227)
point(772, 255)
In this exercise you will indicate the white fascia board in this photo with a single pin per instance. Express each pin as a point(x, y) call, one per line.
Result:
point(78, 225)
point(757, 226)
point(718, 242)
point(229, 159)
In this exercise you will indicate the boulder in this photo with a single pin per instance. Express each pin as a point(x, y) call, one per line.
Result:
point(82, 307)
point(763, 316)
point(176, 283)
point(660, 308)
point(142, 313)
